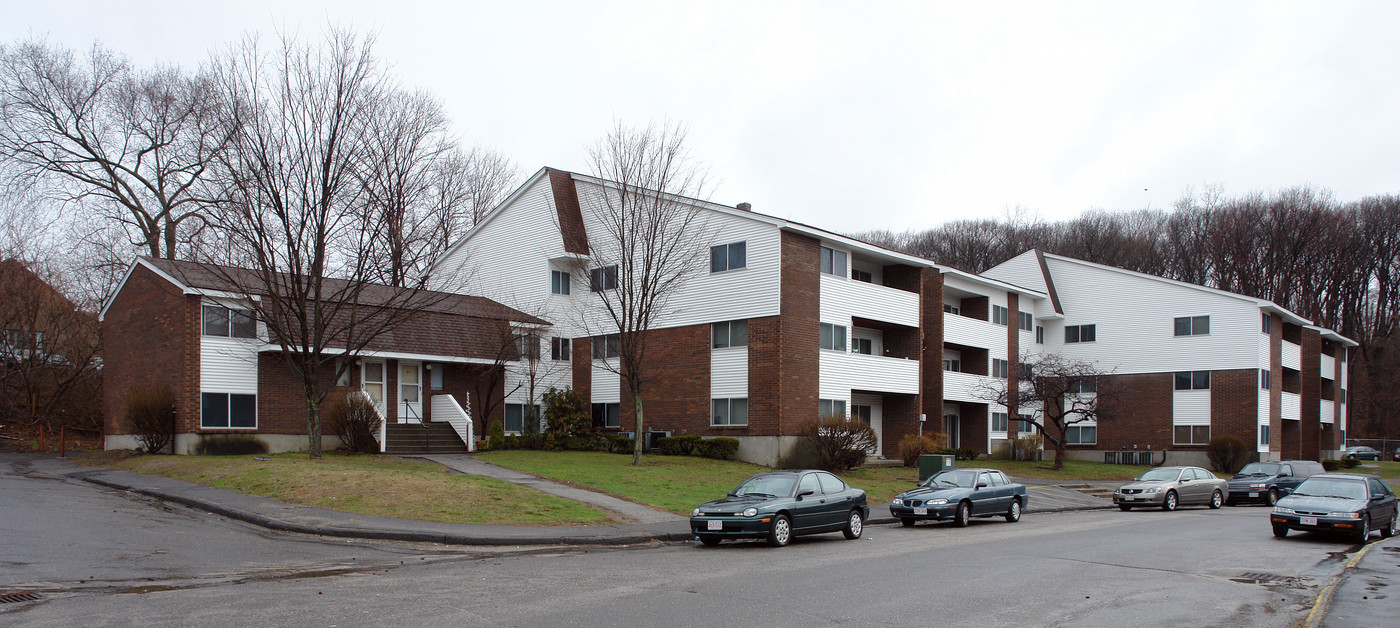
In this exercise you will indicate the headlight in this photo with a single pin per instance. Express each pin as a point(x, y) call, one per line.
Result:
point(1152, 490)
point(1282, 510)
point(1258, 486)
point(695, 513)
point(1345, 515)
point(896, 502)
point(936, 502)
point(750, 512)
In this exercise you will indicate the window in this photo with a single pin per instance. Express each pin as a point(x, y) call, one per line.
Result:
point(831, 407)
point(229, 322)
point(607, 415)
point(860, 412)
point(1001, 368)
point(1039, 335)
point(1192, 325)
point(1191, 434)
point(862, 345)
point(1266, 323)
point(833, 337)
point(1080, 333)
point(1084, 386)
point(728, 256)
point(1193, 380)
point(834, 262)
point(527, 346)
point(1081, 435)
point(559, 349)
point(1000, 315)
point(435, 372)
point(558, 282)
point(1027, 321)
point(831, 484)
point(609, 346)
point(860, 275)
point(729, 412)
point(998, 421)
point(1263, 435)
point(809, 484)
point(729, 334)
point(1025, 424)
point(228, 410)
point(600, 279)
point(1344, 396)
point(516, 415)
point(951, 364)
point(1265, 378)
point(951, 309)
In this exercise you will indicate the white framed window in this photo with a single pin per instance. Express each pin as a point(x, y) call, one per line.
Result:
point(559, 282)
point(228, 410)
point(607, 415)
point(1000, 315)
point(861, 275)
point(861, 412)
point(1190, 434)
point(516, 416)
point(560, 349)
point(1266, 323)
point(833, 337)
point(527, 346)
point(1265, 379)
point(1191, 326)
point(605, 347)
point(229, 322)
point(1192, 380)
point(605, 278)
point(1081, 434)
point(862, 345)
point(729, 411)
point(728, 256)
point(833, 262)
point(1081, 333)
point(1084, 386)
point(1001, 368)
point(1263, 434)
point(1039, 335)
point(952, 364)
point(951, 309)
point(729, 334)
point(1027, 321)
point(831, 407)
point(999, 421)
point(1025, 424)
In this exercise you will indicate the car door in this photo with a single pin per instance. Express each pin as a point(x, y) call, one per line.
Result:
point(807, 510)
point(1188, 488)
point(1204, 485)
point(1382, 503)
point(837, 499)
point(1287, 479)
point(984, 495)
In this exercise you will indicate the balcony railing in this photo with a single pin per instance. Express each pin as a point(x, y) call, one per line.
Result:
point(968, 387)
point(1290, 408)
point(972, 332)
point(869, 372)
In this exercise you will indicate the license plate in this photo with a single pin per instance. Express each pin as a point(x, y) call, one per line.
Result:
point(715, 525)
point(920, 511)
point(1254, 494)
point(1308, 521)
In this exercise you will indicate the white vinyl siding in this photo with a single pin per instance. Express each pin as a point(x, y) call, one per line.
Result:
point(1327, 412)
point(842, 299)
point(606, 386)
point(729, 373)
point(1022, 270)
point(841, 372)
point(1191, 407)
point(1291, 355)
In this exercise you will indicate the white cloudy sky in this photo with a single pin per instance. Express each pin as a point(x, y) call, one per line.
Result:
point(860, 115)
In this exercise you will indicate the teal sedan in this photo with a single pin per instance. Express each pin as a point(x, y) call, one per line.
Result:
point(779, 505)
point(961, 494)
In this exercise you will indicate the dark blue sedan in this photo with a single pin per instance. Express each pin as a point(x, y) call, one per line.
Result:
point(779, 505)
point(1347, 503)
point(960, 494)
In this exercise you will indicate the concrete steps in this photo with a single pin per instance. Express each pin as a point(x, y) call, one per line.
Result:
point(426, 438)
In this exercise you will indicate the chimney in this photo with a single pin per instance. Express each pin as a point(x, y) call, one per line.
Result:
point(744, 207)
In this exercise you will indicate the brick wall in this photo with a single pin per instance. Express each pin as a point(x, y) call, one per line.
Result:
point(973, 422)
point(976, 307)
point(1013, 357)
point(1138, 411)
point(1276, 431)
point(150, 337)
point(582, 367)
point(1311, 396)
point(799, 334)
point(1234, 405)
point(676, 387)
point(899, 417)
point(904, 277)
point(765, 360)
point(931, 367)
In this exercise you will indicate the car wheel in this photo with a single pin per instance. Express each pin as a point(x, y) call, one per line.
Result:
point(906, 522)
point(781, 532)
point(1217, 500)
point(1013, 513)
point(962, 515)
point(1124, 507)
point(1365, 530)
point(1280, 531)
point(1273, 496)
point(854, 524)
point(709, 541)
point(1390, 529)
point(1170, 501)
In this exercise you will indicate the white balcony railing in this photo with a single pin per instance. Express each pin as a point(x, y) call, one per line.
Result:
point(1289, 408)
point(1325, 411)
point(967, 387)
point(1289, 352)
point(845, 298)
point(973, 332)
point(855, 371)
point(447, 410)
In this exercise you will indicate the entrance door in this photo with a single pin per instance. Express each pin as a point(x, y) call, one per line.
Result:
point(950, 427)
point(372, 382)
point(410, 392)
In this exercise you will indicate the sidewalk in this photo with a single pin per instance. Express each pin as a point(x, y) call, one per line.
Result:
point(1364, 593)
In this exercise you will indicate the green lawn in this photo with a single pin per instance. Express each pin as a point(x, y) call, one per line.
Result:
point(383, 486)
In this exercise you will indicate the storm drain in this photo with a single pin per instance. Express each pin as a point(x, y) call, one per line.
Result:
point(13, 598)
point(1258, 577)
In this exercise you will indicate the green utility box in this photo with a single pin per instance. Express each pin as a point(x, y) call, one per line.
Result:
point(930, 464)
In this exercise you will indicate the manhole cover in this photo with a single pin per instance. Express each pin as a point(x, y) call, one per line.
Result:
point(12, 598)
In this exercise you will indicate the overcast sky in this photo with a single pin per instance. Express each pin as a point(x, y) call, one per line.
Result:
point(862, 115)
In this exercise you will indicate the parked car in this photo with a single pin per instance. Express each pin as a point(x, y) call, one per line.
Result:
point(1362, 452)
point(1170, 487)
point(778, 505)
point(1267, 481)
point(1349, 503)
point(960, 494)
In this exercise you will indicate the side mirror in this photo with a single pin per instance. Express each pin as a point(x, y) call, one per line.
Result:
point(981, 485)
point(804, 492)
point(731, 493)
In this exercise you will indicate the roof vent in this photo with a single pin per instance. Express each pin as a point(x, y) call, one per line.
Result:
point(744, 207)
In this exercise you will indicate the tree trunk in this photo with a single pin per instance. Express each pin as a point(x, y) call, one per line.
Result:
point(638, 440)
point(1059, 456)
point(313, 425)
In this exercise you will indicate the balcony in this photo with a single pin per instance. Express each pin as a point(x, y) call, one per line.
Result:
point(967, 387)
point(1290, 408)
point(1329, 366)
point(962, 330)
point(1325, 411)
point(856, 371)
point(1290, 354)
point(843, 298)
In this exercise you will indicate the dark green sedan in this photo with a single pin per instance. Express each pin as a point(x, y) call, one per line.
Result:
point(778, 505)
point(960, 494)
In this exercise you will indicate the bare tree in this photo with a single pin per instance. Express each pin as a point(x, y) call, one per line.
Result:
point(1058, 392)
point(132, 145)
point(647, 236)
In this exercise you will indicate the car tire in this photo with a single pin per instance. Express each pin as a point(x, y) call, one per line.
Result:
point(1013, 512)
point(1280, 531)
point(854, 525)
point(709, 541)
point(963, 514)
point(1216, 501)
point(1171, 501)
point(1124, 507)
point(1365, 531)
point(1273, 497)
point(781, 533)
point(1390, 529)
point(906, 522)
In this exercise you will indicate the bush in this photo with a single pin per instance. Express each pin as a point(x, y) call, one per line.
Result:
point(353, 420)
point(1227, 453)
point(1331, 465)
point(620, 444)
point(566, 414)
point(1025, 447)
point(549, 443)
point(510, 441)
point(961, 453)
point(839, 444)
point(718, 448)
point(496, 433)
point(229, 445)
point(150, 417)
point(1351, 463)
point(915, 445)
point(683, 445)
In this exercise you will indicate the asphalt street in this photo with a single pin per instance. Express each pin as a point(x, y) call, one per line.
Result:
point(94, 556)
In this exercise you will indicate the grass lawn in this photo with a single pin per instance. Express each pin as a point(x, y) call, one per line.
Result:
point(370, 485)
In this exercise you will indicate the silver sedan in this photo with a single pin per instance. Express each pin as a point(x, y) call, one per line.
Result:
point(1169, 487)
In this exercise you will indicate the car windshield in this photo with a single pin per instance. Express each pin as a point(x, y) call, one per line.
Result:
point(766, 486)
point(1160, 475)
point(965, 479)
point(1341, 489)
point(1259, 468)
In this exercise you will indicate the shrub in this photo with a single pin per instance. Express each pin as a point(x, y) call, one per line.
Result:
point(510, 441)
point(1351, 463)
point(620, 444)
point(961, 453)
point(1331, 465)
point(1227, 453)
point(354, 421)
point(915, 445)
point(669, 445)
point(1025, 447)
point(721, 448)
point(683, 445)
point(229, 445)
point(566, 414)
point(839, 444)
point(496, 433)
point(150, 416)
point(549, 443)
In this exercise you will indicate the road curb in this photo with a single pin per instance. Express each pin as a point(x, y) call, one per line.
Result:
point(445, 538)
point(1324, 598)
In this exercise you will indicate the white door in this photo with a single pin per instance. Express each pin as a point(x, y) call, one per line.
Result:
point(372, 383)
point(410, 392)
